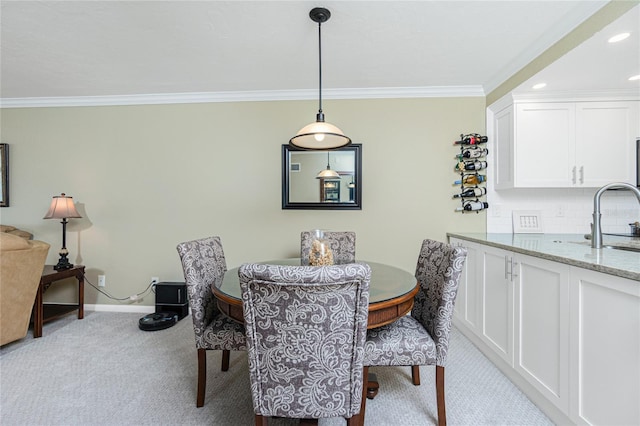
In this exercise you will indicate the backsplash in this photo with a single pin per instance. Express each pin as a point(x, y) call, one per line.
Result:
point(565, 211)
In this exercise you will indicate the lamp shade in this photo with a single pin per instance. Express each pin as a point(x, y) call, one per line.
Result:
point(320, 135)
point(62, 207)
point(328, 174)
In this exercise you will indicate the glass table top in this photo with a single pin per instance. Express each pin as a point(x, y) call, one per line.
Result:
point(387, 282)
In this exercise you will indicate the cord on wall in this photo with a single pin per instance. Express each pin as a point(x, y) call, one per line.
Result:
point(133, 298)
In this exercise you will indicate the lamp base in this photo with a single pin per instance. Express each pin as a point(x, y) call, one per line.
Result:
point(63, 263)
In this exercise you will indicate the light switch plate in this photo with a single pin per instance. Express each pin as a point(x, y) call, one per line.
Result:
point(527, 222)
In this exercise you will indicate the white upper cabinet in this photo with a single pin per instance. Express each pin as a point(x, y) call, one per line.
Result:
point(605, 142)
point(544, 145)
point(565, 144)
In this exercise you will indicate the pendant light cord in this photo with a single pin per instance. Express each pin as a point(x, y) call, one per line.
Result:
point(320, 113)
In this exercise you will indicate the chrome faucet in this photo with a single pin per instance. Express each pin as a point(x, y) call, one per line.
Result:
point(596, 232)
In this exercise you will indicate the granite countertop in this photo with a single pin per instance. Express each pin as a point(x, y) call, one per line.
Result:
point(572, 249)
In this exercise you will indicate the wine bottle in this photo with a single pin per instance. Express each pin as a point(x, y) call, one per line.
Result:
point(471, 192)
point(470, 180)
point(471, 165)
point(471, 206)
point(472, 139)
point(474, 152)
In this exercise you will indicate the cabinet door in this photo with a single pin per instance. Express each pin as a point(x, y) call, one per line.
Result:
point(541, 335)
point(497, 302)
point(467, 307)
point(502, 147)
point(544, 147)
point(605, 142)
point(604, 348)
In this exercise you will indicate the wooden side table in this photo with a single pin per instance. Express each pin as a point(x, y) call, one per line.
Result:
point(46, 312)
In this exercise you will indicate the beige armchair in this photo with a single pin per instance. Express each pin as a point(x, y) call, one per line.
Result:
point(21, 265)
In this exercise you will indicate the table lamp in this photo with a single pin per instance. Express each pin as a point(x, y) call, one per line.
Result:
point(62, 207)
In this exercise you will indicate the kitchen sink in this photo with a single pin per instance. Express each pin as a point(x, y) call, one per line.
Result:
point(626, 247)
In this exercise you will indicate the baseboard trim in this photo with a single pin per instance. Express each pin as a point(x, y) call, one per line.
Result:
point(142, 309)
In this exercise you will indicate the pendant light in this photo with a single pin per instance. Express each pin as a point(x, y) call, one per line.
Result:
point(320, 135)
point(328, 173)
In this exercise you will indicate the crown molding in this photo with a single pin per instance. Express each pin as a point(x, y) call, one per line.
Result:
point(583, 95)
point(565, 96)
point(244, 96)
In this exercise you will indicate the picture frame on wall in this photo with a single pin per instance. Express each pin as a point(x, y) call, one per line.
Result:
point(4, 174)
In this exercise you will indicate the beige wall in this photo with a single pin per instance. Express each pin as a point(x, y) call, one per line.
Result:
point(149, 177)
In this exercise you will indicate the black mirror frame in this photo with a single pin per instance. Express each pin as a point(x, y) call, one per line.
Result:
point(356, 205)
point(4, 168)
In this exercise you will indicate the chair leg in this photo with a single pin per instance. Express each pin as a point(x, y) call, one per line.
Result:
point(225, 360)
point(442, 415)
point(261, 420)
point(202, 376)
point(358, 419)
point(415, 374)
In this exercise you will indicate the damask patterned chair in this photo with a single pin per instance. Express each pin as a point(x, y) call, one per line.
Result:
point(343, 246)
point(306, 327)
point(423, 337)
point(204, 264)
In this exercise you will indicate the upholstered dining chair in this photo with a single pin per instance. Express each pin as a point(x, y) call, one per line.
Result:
point(203, 263)
point(306, 327)
point(343, 246)
point(422, 338)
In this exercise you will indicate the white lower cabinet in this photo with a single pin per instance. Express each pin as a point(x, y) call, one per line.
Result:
point(467, 307)
point(541, 333)
point(605, 349)
point(567, 336)
point(497, 301)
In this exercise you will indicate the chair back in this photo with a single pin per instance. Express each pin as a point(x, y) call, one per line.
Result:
point(204, 265)
point(306, 328)
point(343, 246)
point(438, 273)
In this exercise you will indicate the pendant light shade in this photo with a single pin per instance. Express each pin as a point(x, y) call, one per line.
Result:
point(328, 173)
point(320, 135)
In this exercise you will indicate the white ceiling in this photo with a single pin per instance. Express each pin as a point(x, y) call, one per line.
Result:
point(596, 64)
point(109, 48)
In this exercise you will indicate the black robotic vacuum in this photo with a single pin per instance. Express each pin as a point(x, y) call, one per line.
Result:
point(158, 321)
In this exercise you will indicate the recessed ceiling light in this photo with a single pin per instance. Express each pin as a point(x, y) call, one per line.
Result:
point(539, 85)
point(634, 78)
point(619, 37)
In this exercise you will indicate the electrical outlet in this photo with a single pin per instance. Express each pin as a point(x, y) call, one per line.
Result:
point(155, 280)
point(560, 210)
point(102, 280)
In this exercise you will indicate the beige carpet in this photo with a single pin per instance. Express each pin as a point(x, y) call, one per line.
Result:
point(103, 370)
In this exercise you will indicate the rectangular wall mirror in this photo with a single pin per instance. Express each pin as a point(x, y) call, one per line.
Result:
point(303, 189)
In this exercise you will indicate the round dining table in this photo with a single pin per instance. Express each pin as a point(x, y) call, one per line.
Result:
point(391, 292)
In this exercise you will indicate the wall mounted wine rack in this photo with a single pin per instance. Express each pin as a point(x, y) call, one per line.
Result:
point(470, 161)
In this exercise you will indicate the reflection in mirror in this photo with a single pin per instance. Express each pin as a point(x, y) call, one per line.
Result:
point(317, 180)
